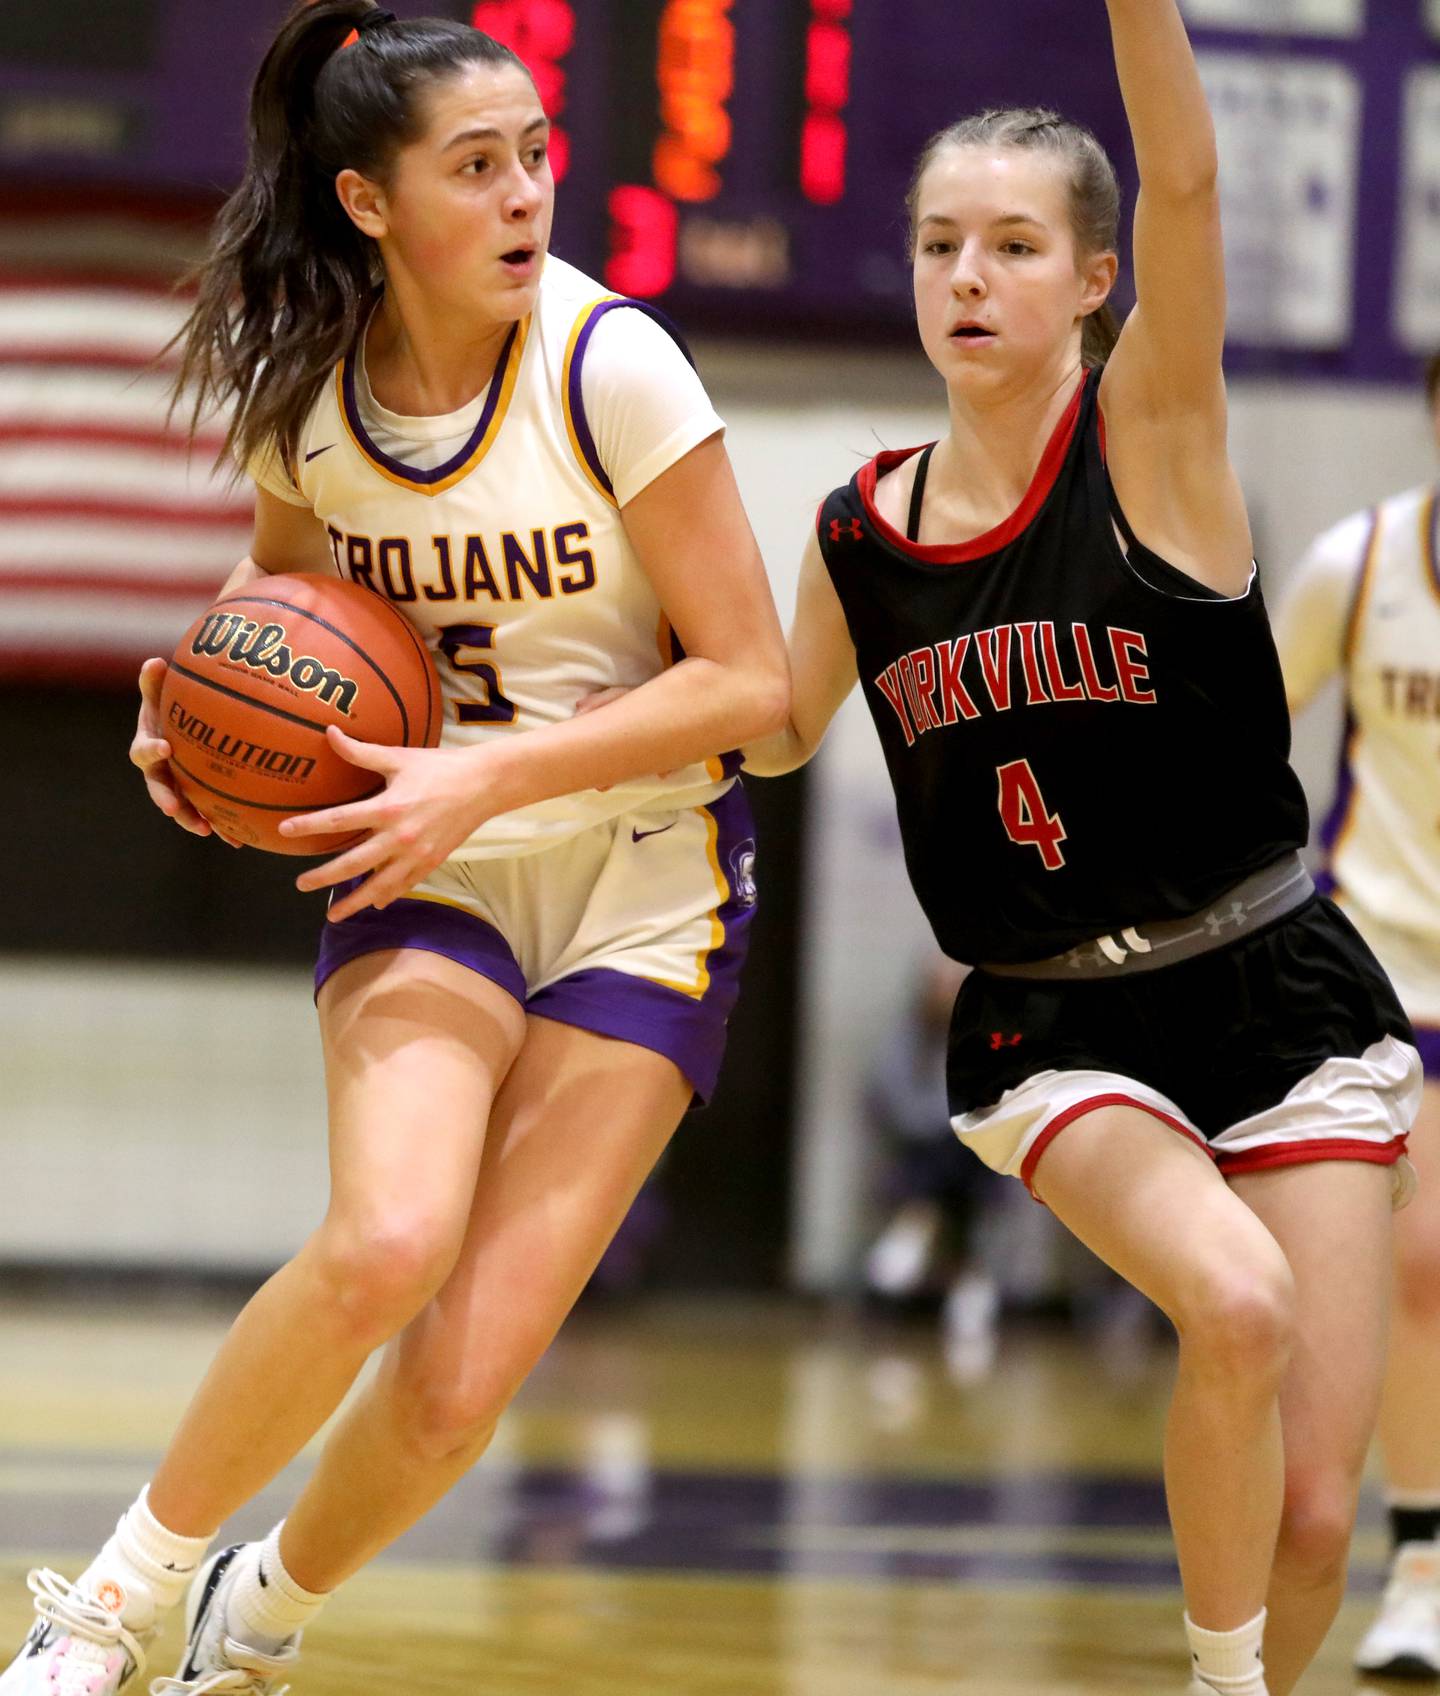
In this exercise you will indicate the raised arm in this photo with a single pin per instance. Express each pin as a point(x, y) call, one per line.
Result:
point(822, 672)
point(1163, 389)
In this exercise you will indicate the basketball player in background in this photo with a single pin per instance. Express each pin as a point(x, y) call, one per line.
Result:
point(1054, 616)
point(530, 958)
point(1364, 605)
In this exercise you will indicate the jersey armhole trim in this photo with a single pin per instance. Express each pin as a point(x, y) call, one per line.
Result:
point(1430, 539)
point(577, 425)
point(1360, 595)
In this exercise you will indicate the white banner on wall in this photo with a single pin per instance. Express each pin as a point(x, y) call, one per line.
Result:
point(1289, 138)
point(1267, 17)
point(1417, 285)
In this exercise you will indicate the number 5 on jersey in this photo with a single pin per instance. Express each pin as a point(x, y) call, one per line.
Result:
point(1026, 818)
point(469, 639)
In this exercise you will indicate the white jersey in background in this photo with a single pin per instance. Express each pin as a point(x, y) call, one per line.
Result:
point(496, 529)
point(1365, 603)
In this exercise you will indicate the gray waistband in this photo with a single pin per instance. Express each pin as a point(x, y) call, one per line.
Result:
point(1262, 898)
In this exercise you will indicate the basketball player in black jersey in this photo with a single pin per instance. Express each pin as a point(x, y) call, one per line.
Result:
point(1054, 616)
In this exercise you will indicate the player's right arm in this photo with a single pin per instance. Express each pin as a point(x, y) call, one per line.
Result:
point(1313, 617)
point(285, 538)
point(822, 671)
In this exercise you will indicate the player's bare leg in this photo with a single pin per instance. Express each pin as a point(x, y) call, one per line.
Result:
point(1333, 1220)
point(414, 1046)
point(1152, 1205)
point(557, 1177)
point(1405, 1637)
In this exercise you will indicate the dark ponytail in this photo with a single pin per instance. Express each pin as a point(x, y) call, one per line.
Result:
point(288, 280)
point(1094, 190)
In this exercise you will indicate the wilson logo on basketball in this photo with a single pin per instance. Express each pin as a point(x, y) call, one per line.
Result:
point(263, 648)
point(238, 750)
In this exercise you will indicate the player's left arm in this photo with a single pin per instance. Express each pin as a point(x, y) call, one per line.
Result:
point(1163, 389)
point(1313, 616)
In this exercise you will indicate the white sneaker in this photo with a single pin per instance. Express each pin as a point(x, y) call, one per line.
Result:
point(1404, 1641)
point(76, 1647)
point(900, 1256)
point(213, 1661)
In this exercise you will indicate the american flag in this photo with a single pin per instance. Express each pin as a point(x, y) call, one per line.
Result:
point(114, 532)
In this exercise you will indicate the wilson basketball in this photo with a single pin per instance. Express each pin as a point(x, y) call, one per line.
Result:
point(258, 677)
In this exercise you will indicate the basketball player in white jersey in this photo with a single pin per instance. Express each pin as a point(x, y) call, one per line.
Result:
point(1364, 605)
point(530, 958)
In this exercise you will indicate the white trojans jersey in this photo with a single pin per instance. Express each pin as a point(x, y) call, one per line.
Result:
point(1383, 833)
point(510, 558)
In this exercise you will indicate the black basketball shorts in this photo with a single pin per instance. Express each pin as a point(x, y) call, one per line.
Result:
point(1287, 1046)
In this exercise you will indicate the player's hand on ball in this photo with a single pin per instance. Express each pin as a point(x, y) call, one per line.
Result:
point(151, 753)
point(429, 806)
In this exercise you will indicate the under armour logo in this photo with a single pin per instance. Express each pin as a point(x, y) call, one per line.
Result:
point(999, 1040)
point(1215, 922)
point(846, 530)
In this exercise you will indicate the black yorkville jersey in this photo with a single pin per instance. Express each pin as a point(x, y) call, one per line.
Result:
point(1078, 739)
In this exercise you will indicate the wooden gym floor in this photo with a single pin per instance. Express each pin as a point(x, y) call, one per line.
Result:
point(714, 1500)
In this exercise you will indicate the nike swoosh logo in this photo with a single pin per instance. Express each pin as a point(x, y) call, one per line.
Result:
point(640, 835)
point(222, 1561)
point(318, 451)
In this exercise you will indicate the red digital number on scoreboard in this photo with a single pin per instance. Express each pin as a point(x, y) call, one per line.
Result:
point(644, 239)
point(824, 137)
point(695, 69)
point(542, 32)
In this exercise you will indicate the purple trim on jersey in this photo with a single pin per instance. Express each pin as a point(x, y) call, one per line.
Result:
point(430, 926)
point(412, 473)
point(1427, 1042)
point(583, 434)
point(1432, 541)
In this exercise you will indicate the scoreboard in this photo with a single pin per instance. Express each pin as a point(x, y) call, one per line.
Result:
point(745, 162)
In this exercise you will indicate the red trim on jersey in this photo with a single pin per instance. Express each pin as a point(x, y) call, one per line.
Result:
point(1089, 1105)
point(1306, 1153)
point(993, 540)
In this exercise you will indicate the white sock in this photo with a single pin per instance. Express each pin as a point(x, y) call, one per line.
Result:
point(1229, 1661)
point(144, 1568)
point(267, 1607)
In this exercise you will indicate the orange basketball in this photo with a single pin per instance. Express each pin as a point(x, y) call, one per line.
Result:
point(258, 677)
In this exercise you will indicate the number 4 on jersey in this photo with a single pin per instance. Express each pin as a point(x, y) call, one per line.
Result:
point(1026, 818)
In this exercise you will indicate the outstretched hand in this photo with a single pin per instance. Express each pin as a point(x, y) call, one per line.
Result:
point(430, 804)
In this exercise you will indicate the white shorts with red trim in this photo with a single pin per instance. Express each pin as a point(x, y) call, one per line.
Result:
point(1357, 1108)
